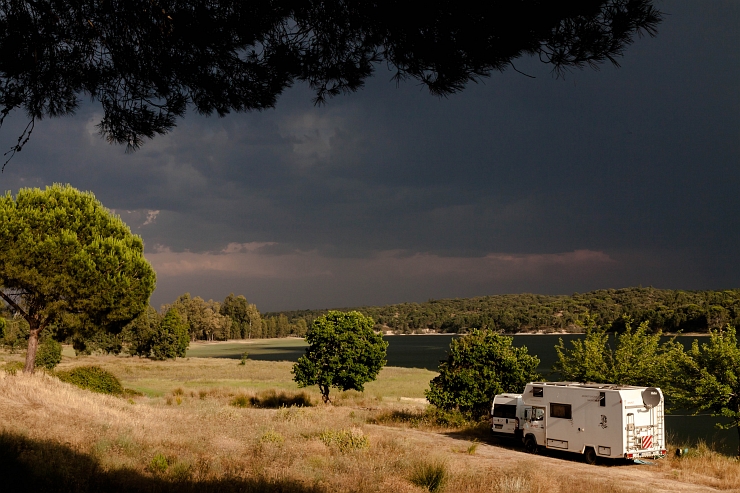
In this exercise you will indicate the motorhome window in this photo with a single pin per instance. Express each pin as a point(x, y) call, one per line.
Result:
point(539, 414)
point(504, 411)
point(602, 399)
point(537, 392)
point(560, 411)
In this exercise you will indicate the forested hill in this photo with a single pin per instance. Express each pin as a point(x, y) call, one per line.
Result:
point(669, 310)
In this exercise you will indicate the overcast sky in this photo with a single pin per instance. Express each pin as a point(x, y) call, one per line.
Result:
point(601, 179)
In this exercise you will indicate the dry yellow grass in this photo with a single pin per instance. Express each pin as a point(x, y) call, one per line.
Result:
point(188, 437)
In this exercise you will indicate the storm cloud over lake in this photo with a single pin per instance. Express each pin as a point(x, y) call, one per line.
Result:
point(617, 177)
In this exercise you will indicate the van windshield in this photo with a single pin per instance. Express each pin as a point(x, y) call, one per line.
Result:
point(504, 410)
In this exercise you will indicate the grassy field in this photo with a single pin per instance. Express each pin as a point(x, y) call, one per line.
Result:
point(233, 349)
point(196, 428)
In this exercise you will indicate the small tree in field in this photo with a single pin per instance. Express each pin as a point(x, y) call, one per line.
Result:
point(343, 352)
point(479, 366)
point(67, 260)
point(171, 339)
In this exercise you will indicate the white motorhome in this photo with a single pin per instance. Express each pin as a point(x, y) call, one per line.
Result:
point(597, 420)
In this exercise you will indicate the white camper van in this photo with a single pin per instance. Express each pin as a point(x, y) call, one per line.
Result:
point(597, 420)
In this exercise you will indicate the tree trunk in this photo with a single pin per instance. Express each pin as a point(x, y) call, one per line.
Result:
point(33, 345)
point(324, 393)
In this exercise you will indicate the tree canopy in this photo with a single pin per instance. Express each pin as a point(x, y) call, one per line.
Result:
point(711, 379)
point(638, 358)
point(67, 262)
point(146, 62)
point(479, 366)
point(664, 309)
point(343, 352)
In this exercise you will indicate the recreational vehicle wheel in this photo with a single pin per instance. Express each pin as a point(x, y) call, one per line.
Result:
point(590, 455)
point(530, 444)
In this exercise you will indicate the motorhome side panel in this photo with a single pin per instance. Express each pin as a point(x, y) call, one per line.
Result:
point(605, 425)
point(578, 417)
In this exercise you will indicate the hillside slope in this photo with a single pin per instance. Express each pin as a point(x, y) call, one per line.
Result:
point(665, 309)
point(54, 437)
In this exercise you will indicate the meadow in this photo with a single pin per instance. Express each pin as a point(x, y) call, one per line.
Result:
point(212, 424)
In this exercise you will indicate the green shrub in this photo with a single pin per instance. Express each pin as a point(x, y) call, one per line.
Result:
point(92, 378)
point(49, 354)
point(243, 360)
point(240, 401)
point(158, 464)
point(431, 476)
point(13, 367)
point(345, 440)
point(171, 340)
point(272, 436)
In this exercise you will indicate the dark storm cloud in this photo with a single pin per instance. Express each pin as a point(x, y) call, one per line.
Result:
point(601, 179)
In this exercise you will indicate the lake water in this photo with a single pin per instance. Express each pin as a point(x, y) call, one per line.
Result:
point(426, 351)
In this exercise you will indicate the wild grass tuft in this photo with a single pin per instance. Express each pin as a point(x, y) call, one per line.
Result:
point(158, 464)
point(272, 436)
point(431, 476)
point(271, 399)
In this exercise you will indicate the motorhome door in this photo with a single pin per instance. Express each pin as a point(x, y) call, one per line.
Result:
point(534, 423)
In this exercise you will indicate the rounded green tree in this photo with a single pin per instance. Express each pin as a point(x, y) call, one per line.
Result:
point(344, 352)
point(479, 366)
point(66, 260)
point(171, 339)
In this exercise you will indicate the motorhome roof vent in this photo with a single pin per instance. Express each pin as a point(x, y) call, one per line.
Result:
point(651, 397)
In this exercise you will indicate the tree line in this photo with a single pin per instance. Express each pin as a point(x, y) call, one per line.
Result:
point(663, 309)
point(165, 333)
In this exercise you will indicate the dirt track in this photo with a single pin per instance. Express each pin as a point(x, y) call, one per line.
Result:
point(636, 477)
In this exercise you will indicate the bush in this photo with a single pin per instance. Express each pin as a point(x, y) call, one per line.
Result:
point(13, 367)
point(345, 440)
point(158, 464)
point(479, 366)
point(92, 378)
point(272, 400)
point(272, 436)
point(172, 338)
point(49, 354)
